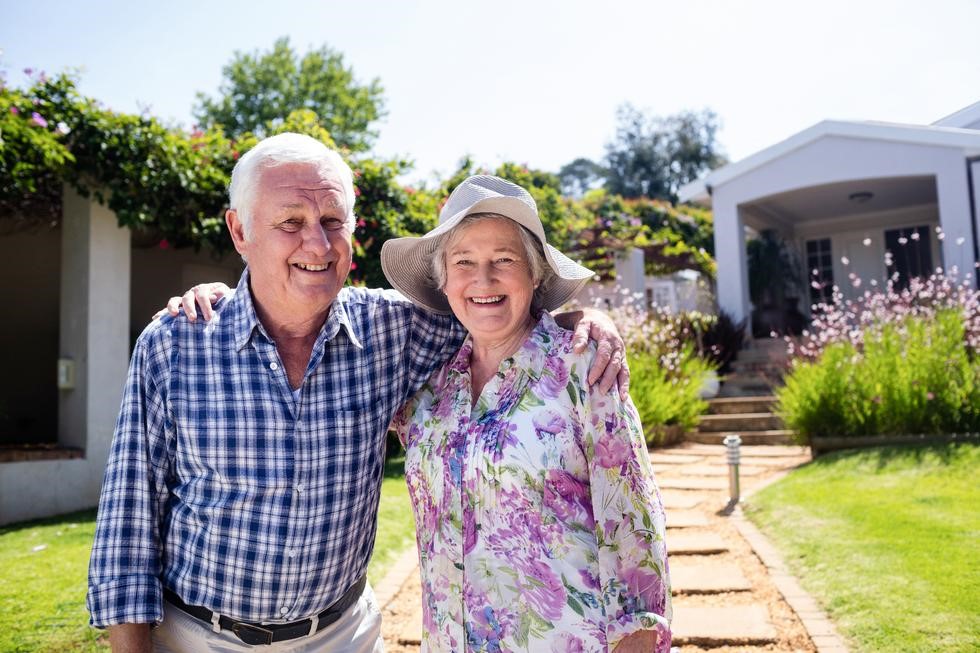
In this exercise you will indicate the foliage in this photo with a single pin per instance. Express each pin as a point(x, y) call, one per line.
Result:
point(910, 376)
point(580, 176)
point(667, 396)
point(262, 89)
point(668, 366)
point(884, 539)
point(720, 339)
point(653, 156)
point(45, 564)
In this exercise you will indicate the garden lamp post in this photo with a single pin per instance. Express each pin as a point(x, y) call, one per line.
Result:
point(732, 444)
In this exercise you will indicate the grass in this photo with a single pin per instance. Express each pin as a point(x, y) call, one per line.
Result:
point(44, 565)
point(888, 541)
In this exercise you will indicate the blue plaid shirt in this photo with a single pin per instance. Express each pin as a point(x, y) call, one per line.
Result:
point(234, 494)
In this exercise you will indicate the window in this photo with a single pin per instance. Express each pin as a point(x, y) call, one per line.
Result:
point(820, 270)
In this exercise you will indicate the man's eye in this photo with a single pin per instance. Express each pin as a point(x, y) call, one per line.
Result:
point(291, 225)
point(332, 224)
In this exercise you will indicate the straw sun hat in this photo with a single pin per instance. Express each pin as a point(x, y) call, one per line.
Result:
point(406, 261)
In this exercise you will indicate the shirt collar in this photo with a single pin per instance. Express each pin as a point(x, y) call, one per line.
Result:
point(241, 311)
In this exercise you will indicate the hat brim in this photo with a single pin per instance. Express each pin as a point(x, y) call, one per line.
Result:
point(406, 262)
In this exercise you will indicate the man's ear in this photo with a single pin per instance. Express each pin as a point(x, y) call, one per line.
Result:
point(237, 230)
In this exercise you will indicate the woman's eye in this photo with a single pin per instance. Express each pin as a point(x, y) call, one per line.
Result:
point(463, 262)
point(504, 260)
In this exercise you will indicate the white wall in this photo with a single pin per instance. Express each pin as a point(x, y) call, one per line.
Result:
point(94, 334)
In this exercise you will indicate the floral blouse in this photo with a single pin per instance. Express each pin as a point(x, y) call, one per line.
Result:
point(540, 526)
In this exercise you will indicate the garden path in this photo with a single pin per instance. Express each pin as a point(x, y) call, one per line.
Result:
point(731, 592)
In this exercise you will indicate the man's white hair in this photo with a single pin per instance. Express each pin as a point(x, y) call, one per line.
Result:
point(279, 150)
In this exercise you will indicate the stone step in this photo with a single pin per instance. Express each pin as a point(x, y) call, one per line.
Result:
point(713, 627)
point(771, 437)
point(753, 390)
point(692, 483)
point(411, 631)
point(695, 542)
point(684, 519)
point(740, 423)
point(698, 574)
point(680, 500)
point(738, 405)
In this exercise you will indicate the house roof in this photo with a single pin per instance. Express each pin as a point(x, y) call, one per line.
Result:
point(699, 191)
point(965, 118)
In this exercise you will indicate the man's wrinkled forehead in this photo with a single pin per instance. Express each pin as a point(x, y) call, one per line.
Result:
point(310, 181)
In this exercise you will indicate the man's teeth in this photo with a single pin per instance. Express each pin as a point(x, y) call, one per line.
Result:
point(311, 268)
point(488, 300)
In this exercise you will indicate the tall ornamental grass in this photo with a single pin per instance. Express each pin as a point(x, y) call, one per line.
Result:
point(892, 362)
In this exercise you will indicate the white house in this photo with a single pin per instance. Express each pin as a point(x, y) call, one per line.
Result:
point(845, 193)
point(76, 295)
point(684, 290)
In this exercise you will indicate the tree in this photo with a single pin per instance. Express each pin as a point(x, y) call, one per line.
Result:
point(580, 176)
point(261, 89)
point(653, 156)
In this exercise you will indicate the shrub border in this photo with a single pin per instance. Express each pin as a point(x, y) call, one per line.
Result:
point(822, 445)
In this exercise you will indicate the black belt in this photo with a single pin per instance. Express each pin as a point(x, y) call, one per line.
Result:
point(256, 634)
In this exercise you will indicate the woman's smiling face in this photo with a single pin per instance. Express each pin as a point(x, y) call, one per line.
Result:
point(488, 280)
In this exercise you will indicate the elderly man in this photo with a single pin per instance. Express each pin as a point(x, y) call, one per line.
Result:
point(240, 499)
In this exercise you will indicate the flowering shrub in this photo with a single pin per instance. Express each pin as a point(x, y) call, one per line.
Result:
point(668, 366)
point(891, 362)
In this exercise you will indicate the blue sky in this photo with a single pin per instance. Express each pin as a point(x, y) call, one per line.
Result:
point(533, 81)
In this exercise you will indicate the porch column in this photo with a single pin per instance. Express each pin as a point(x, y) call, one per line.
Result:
point(953, 199)
point(733, 285)
point(630, 274)
point(95, 273)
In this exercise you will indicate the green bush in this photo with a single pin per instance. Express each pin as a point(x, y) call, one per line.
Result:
point(667, 397)
point(908, 377)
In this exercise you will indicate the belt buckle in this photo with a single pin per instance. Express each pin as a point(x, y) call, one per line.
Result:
point(252, 634)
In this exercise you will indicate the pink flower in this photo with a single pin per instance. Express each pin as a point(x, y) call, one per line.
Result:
point(38, 119)
point(164, 244)
point(14, 110)
point(611, 451)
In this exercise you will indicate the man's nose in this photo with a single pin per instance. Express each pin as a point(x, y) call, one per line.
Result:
point(315, 239)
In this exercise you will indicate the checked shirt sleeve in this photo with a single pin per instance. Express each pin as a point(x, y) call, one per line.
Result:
point(124, 570)
point(629, 522)
point(433, 340)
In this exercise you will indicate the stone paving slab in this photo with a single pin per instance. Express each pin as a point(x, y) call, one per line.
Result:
point(686, 519)
point(411, 633)
point(680, 500)
point(719, 470)
point(693, 483)
point(716, 626)
point(698, 575)
point(674, 458)
point(699, 542)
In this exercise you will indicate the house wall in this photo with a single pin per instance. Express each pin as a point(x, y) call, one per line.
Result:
point(830, 160)
point(29, 336)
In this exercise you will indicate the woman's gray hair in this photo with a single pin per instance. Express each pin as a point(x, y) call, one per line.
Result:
point(283, 149)
point(541, 272)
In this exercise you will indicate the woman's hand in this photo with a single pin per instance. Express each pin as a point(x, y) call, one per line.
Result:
point(642, 641)
point(202, 295)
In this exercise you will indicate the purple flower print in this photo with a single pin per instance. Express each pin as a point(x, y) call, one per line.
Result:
point(646, 586)
point(568, 498)
point(554, 378)
point(566, 643)
point(548, 422)
point(611, 451)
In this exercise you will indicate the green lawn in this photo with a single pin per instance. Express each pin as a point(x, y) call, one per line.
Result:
point(888, 541)
point(43, 567)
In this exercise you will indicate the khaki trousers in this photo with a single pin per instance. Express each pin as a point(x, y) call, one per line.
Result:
point(357, 631)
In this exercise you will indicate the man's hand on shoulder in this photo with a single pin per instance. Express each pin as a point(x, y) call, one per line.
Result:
point(609, 367)
point(203, 295)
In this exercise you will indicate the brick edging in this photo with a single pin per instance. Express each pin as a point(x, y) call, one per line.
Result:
point(818, 626)
point(404, 566)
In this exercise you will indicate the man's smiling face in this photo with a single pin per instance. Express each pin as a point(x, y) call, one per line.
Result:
point(298, 246)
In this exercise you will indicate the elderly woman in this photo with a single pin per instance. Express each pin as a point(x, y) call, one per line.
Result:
point(540, 526)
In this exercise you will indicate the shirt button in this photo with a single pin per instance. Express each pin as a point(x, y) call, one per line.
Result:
point(284, 609)
point(291, 553)
point(299, 487)
point(273, 366)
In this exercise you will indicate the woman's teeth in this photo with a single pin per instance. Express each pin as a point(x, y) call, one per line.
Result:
point(487, 300)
